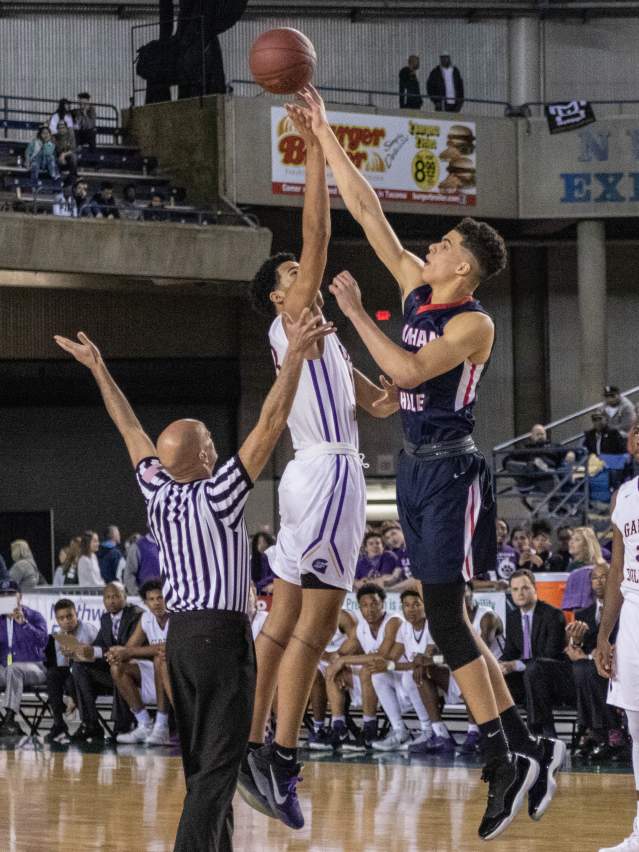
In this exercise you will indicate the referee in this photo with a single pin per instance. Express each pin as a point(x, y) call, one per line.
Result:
point(197, 519)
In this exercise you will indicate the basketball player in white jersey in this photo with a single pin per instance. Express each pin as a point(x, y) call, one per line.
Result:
point(322, 500)
point(140, 673)
point(621, 604)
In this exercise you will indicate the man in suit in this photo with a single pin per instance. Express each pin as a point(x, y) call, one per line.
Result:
point(58, 664)
point(536, 668)
point(597, 719)
point(92, 673)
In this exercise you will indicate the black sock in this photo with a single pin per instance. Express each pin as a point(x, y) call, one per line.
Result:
point(10, 715)
point(493, 744)
point(519, 737)
point(284, 756)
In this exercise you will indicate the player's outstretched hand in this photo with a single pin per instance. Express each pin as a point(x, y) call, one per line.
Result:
point(346, 290)
point(603, 655)
point(306, 330)
point(302, 120)
point(86, 352)
point(315, 106)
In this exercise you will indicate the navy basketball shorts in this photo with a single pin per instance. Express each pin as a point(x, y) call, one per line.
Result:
point(447, 511)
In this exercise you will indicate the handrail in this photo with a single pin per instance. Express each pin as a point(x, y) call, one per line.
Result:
point(108, 121)
point(561, 421)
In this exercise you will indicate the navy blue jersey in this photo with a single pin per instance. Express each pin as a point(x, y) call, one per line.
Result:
point(440, 409)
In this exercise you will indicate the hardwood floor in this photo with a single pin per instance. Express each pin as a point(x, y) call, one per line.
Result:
point(70, 801)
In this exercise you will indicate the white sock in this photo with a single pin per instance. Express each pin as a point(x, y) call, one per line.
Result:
point(633, 730)
point(384, 686)
point(341, 719)
point(426, 727)
point(369, 719)
point(412, 690)
point(440, 729)
point(161, 720)
point(142, 716)
point(317, 726)
point(472, 729)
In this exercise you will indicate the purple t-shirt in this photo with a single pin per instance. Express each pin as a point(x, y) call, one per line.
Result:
point(507, 562)
point(403, 560)
point(376, 566)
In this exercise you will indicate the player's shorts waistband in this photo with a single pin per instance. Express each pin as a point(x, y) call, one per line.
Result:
point(442, 450)
point(327, 449)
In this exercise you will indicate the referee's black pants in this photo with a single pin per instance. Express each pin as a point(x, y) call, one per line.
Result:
point(211, 662)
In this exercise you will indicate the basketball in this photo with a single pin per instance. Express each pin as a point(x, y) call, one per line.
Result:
point(282, 61)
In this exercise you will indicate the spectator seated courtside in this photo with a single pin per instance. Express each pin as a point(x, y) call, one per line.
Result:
point(376, 565)
point(23, 637)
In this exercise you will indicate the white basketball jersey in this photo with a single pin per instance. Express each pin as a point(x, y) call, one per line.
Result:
point(414, 641)
point(626, 519)
point(155, 634)
point(259, 619)
point(324, 405)
point(494, 646)
point(336, 642)
point(371, 644)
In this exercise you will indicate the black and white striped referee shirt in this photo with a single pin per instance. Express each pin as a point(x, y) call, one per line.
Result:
point(200, 530)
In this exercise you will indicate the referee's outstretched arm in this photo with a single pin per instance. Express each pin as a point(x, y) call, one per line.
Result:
point(301, 334)
point(255, 451)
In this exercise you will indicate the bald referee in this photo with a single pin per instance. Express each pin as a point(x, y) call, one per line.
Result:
point(197, 519)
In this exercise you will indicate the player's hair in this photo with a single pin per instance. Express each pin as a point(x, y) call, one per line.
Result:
point(63, 603)
point(152, 585)
point(523, 572)
point(409, 593)
point(485, 244)
point(371, 589)
point(264, 283)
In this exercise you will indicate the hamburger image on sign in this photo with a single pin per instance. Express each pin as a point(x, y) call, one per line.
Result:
point(461, 175)
point(459, 143)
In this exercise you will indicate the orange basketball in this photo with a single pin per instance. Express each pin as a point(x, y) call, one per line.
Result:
point(282, 61)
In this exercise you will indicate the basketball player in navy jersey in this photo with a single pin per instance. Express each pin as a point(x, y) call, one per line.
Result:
point(444, 489)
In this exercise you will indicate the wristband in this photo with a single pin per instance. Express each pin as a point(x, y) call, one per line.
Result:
point(390, 666)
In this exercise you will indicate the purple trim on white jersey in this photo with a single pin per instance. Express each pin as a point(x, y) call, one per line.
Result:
point(338, 516)
point(311, 367)
point(331, 398)
point(320, 535)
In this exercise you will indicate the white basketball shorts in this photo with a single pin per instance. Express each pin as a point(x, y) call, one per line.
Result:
point(624, 686)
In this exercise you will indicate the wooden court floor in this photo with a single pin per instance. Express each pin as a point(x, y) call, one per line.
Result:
point(70, 801)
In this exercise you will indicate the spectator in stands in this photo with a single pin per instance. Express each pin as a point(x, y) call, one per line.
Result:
point(540, 539)
point(393, 538)
point(85, 121)
point(155, 210)
point(40, 157)
point(376, 565)
point(445, 86)
point(602, 438)
point(83, 204)
point(103, 203)
point(409, 94)
point(66, 574)
point(64, 203)
point(62, 115)
point(4, 571)
point(620, 411)
point(597, 722)
point(520, 540)
point(584, 548)
point(88, 565)
point(58, 664)
point(261, 572)
point(23, 636)
point(536, 668)
point(110, 558)
point(65, 147)
point(140, 673)
point(561, 558)
point(128, 207)
point(24, 570)
point(507, 556)
point(535, 457)
point(91, 671)
point(142, 563)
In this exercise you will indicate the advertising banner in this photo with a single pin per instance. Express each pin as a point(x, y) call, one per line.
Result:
point(404, 158)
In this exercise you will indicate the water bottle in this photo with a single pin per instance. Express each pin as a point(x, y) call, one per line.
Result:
point(19, 161)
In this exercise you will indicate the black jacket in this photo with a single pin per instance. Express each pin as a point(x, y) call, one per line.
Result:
point(409, 94)
point(548, 637)
point(590, 639)
point(130, 616)
point(612, 442)
point(436, 88)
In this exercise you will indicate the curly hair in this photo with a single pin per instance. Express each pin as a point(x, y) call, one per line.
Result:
point(486, 245)
point(264, 283)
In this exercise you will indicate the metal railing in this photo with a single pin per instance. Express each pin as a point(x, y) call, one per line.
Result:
point(22, 115)
point(374, 98)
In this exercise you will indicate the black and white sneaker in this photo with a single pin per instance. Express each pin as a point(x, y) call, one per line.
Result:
point(509, 780)
point(248, 790)
point(551, 757)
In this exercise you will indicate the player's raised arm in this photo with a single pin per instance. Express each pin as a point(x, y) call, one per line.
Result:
point(316, 223)
point(361, 199)
point(467, 336)
point(302, 333)
point(87, 353)
point(376, 401)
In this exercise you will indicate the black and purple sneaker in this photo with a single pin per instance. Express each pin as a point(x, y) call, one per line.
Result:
point(470, 744)
point(278, 784)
